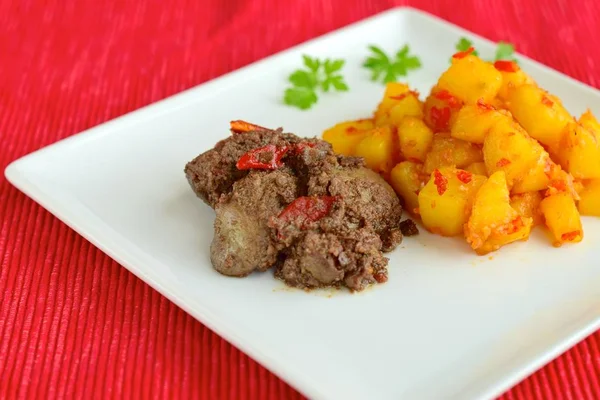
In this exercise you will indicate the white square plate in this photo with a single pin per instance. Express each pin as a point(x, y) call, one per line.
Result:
point(447, 324)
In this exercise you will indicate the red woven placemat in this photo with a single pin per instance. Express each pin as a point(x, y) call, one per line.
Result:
point(74, 323)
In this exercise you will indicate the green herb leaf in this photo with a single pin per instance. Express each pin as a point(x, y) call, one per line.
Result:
point(505, 51)
point(382, 66)
point(300, 97)
point(321, 74)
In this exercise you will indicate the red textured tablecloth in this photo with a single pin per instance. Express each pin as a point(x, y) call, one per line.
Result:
point(73, 323)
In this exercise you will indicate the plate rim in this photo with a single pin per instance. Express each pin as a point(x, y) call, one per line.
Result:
point(16, 174)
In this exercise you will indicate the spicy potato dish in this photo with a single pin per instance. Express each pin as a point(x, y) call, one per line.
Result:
point(488, 155)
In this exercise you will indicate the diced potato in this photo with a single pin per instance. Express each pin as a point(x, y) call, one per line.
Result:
point(493, 222)
point(407, 179)
point(377, 148)
point(589, 202)
point(537, 177)
point(508, 148)
point(579, 152)
point(415, 138)
point(440, 109)
point(474, 121)
point(528, 206)
point(344, 136)
point(478, 168)
point(562, 218)
point(408, 105)
point(447, 151)
point(471, 79)
point(561, 182)
point(445, 201)
point(588, 120)
point(541, 114)
point(394, 92)
point(512, 80)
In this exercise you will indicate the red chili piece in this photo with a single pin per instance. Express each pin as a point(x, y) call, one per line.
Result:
point(440, 181)
point(308, 209)
point(463, 54)
point(506, 66)
point(569, 236)
point(380, 277)
point(515, 225)
point(400, 96)
point(503, 162)
point(440, 117)
point(266, 157)
point(239, 126)
point(484, 106)
point(464, 176)
point(446, 96)
point(546, 101)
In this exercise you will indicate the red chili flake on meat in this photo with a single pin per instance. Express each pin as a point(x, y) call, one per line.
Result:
point(255, 159)
point(463, 54)
point(464, 176)
point(308, 209)
point(570, 236)
point(546, 101)
point(440, 181)
point(302, 146)
point(484, 106)
point(440, 117)
point(506, 66)
point(380, 277)
point(503, 162)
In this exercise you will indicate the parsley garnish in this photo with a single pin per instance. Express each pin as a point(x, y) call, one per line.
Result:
point(319, 74)
point(381, 65)
point(504, 51)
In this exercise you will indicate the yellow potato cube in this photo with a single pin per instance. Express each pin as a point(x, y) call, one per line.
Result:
point(377, 148)
point(528, 206)
point(537, 177)
point(508, 148)
point(393, 92)
point(579, 152)
point(415, 138)
point(493, 222)
point(345, 136)
point(407, 179)
point(477, 168)
point(589, 201)
point(541, 114)
point(512, 80)
point(471, 79)
point(447, 151)
point(473, 122)
point(562, 218)
point(588, 120)
point(407, 105)
point(445, 201)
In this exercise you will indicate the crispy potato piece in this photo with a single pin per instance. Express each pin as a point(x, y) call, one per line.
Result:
point(541, 114)
point(579, 152)
point(378, 148)
point(345, 136)
point(589, 201)
point(471, 79)
point(537, 177)
point(562, 218)
point(478, 168)
point(447, 151)
point(415, 138)
point(528, 206)
point(445, 201)
point(493, 222)
point(440, 109)
point(508, 148)
point(408, 105)
point(407, 179)
point(474, 121)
